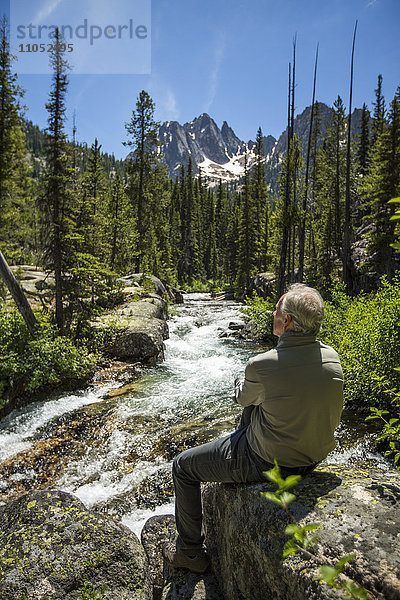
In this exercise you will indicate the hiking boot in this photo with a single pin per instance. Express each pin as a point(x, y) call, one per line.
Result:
point(197, 563)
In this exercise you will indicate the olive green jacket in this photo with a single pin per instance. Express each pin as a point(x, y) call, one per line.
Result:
point(297, 390)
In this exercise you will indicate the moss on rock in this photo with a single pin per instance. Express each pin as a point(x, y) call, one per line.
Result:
point(358, 507)
point(52, 547)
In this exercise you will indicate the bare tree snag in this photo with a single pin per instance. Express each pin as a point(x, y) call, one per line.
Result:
point(18, 295)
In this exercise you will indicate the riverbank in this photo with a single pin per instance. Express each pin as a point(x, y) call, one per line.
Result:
point(133, 329)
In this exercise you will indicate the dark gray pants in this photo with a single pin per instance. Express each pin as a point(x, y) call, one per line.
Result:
point(229, 460)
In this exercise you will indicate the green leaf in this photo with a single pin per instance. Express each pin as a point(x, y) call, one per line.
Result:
point(290, 481)
point(355, 590)
point(394, 200)
point(287, 497)
point(312, 527)
point(273, 497)
point(328, 574)
point(291, 528)
point(290, 548)
point(274, 475)
point(346, 559)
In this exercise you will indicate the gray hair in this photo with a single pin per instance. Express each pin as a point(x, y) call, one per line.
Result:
point(306, 307)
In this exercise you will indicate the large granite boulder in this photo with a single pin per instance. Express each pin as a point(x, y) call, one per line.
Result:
point(168, 583)
point(140, 326)
point(263, 284)
point(38, 285)
point(52, 547)
point(157, 532)
point(144, 280)
point(359, 509)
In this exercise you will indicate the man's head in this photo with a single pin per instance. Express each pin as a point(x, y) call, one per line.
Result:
point(301, 309)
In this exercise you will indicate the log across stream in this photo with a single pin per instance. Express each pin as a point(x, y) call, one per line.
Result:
point(114, 451)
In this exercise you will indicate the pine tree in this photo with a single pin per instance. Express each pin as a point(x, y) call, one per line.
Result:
point(123, 228)
point(174, 218)
point(329, 194)
point(363, 161)
point(210, 238)
point(285, 187)
point(231, 255)
point(287, 217)
point(188, 267)
point(92, 206)
point(381, 185)
point(378, 122)
point(347, 261)
point(305, 205)
point(143, 130)
point(57, 177)
point(259, 194)
point(160, 260)
point(247, 242)
point(16, 207)
point(363, 142)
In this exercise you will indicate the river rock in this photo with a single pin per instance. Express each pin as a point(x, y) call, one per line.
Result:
point(52, 547)
point(157, 532)
point(359, 509)
point(149, 282)
point(141, 330)
point(263, 284)
point(141, 341)
point(174, 584)
point(38, 285)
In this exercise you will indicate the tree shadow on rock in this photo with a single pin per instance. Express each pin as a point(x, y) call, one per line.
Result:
point(311, 488)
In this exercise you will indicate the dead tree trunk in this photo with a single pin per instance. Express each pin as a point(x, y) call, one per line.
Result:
point(346, 256)
point(285, 232)
point(302, 235)
point(18, 295)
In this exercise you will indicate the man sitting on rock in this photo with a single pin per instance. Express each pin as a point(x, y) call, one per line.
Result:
point(293, 399)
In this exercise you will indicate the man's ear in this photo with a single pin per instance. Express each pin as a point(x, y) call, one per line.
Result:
point(287, 322)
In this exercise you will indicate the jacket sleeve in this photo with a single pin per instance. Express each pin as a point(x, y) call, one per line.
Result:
point(249, 390)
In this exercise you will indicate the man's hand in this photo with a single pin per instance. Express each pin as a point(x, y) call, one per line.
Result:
point(238, 386)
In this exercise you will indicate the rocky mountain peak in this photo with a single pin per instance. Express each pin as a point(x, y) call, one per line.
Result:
point(232, 142)
point(220, 153)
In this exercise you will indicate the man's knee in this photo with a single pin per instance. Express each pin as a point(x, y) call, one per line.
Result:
point(178, 465)
point(184, 467)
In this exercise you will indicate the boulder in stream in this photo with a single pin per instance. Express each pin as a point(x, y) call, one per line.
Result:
point(140, 329)
point(358, 508)
point(168, 583)
point(53, 548)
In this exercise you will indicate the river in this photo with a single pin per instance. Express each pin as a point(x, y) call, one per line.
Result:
point(113, 448)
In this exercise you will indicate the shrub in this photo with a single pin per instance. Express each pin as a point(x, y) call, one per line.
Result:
point(365, 332)
point(36, 364)
point(260, 312)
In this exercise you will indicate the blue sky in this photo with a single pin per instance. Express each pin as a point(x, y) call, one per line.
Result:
point(230, 59)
